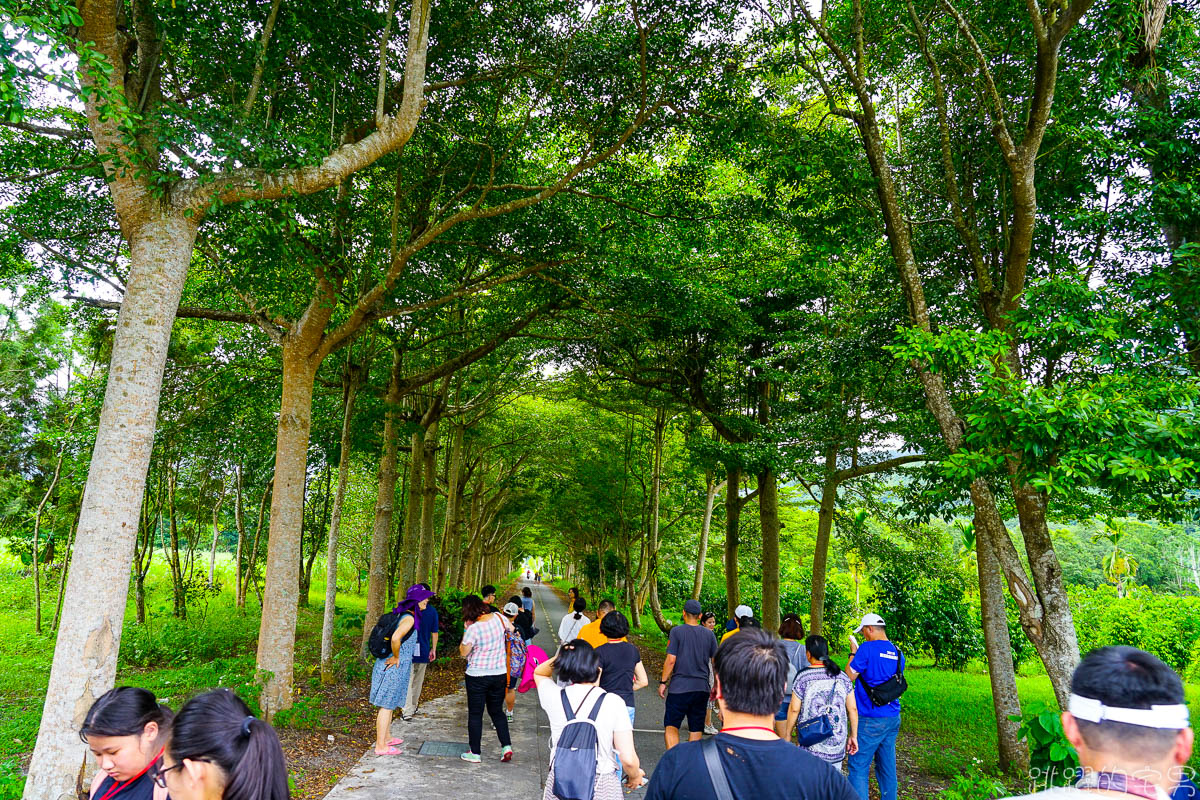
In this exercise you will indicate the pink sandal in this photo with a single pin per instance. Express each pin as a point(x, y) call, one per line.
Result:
point(396, 741)
point(391, 751)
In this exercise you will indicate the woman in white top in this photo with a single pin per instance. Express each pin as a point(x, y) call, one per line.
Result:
point(573, 622)
point(575, 672)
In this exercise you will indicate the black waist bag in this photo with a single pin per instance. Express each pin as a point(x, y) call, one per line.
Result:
point(883, 693)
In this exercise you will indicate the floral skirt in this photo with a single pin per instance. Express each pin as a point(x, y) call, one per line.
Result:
point(608, 787)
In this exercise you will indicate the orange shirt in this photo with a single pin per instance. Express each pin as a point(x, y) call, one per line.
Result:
point(591, 634)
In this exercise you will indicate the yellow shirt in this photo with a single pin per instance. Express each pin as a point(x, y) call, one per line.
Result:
point(728, 634)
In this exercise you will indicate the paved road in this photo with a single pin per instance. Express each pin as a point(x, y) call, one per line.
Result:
point(444, 720)
point(647, 735)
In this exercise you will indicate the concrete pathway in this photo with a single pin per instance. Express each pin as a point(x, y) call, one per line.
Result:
point(431, 777)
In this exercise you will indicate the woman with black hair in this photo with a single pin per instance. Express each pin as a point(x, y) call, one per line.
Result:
point(709, 620)
point(483, 646)
point(791, 636)
point(219, 751)
point(822, 688)
point(527, 603)
point(622, 671)
point(126, 729)
point(573, 621)
point(573, 677)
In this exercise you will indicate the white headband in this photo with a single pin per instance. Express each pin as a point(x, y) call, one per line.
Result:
point(1172, 717)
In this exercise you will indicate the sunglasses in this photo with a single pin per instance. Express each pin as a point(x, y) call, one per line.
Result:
point(160, 774)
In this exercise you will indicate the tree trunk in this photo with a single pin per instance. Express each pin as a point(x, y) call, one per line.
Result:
point(768, 515)
point(62, 579)
point(453, 497)
point(396, 540)
point(1055, 636)
point(350, 389)
point(660, 425)
point(85, 652)
point(816, 611)
point(429, 492)
point(216, 533)
point(252, 562)
point(177, 592)
point(412, 516)
point(733, 521)
point(1013, 753)
point(277, 632)
point(710, 497)
point(385, 499)
point(239, 522)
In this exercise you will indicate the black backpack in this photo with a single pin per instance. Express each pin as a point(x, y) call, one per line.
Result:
point(574, 760)
point(380, 642)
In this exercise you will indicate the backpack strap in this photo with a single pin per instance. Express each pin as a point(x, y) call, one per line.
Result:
point(562, 695)
point(596, 706)
point(716, 772)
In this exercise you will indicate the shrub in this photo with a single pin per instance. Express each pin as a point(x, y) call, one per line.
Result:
point(1166, 625)
point(974, 785)
point(1192, 675)
point(1052, 759)
point(450, 621)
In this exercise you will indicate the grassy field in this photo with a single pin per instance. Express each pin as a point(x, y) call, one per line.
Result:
point(949, 727)
point(173, 658)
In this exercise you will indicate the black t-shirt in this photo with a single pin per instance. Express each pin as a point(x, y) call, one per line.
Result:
point(618, 659)
point(754, 768)
point(523, 622)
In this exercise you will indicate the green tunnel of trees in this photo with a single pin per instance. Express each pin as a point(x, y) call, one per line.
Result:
point(691, 298)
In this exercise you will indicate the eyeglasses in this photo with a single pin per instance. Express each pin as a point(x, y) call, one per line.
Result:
point(160, 774)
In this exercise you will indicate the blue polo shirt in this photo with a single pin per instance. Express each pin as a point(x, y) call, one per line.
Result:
point(429, 624)
point(875, 661)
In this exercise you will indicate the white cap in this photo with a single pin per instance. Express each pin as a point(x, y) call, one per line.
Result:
point(743, 611)
point(870, 619)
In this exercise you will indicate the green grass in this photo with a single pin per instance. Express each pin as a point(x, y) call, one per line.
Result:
point(949, 726)
point(173, 658)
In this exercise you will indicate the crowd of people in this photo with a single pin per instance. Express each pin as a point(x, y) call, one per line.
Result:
point(1127, 718)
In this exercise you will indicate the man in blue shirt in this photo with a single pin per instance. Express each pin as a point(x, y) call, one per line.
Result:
point(874, 661)
point(426, 652)
point(751, 668)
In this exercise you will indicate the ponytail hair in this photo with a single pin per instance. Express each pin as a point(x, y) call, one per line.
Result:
point(818, 648)
point(217, 726)
point(579, 605)
point(125, 711)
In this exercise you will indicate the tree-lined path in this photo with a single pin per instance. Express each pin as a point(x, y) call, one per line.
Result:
point(445, 720)
point(889, 305)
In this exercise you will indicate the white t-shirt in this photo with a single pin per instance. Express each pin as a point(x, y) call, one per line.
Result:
point(570, 627)
point(612, 717)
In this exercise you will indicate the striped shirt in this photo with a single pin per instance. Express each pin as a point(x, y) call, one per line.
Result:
point(487, 647)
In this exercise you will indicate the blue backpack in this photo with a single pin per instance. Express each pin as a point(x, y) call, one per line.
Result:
point(574, 761)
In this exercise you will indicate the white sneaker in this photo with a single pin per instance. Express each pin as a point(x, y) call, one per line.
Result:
point(709, 730)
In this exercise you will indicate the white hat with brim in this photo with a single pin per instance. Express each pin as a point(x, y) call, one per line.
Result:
point(743, 611)
point(870, 619)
